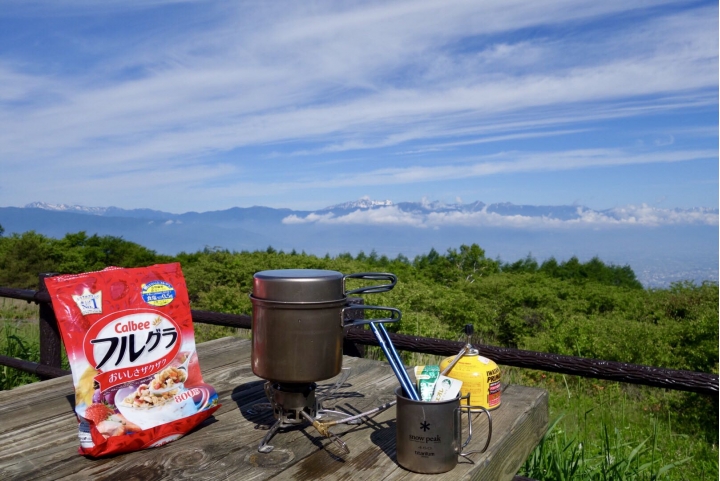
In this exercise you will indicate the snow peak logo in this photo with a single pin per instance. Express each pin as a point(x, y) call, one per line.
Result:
point(88, 302)
point(425, 439)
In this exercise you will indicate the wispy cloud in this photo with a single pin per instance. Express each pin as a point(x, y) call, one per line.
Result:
point(297, 79)
point(501, 163)
point(238, 98)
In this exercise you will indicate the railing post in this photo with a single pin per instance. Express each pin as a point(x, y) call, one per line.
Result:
point(50, 343)
point(349, 347)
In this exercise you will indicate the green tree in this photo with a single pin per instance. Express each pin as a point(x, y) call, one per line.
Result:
point(528, 264)
point(471, 262)
point(24, 256)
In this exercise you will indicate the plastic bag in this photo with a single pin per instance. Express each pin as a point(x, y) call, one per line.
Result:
point(130, 341)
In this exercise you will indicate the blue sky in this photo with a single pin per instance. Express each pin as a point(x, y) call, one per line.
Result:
point(206, 105)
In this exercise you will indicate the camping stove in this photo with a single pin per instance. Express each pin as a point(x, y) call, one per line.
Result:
point(298, 321)
point(296, 405)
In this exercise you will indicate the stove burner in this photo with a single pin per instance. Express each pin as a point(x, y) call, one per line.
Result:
point(289, 401)
point(293, 404)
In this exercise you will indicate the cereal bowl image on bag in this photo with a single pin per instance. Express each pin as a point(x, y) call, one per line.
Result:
point(131, 346)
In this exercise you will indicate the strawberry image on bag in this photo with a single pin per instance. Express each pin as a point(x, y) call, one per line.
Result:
point(129, 338)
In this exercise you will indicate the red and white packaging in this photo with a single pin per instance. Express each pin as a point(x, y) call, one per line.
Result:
point(129, 338)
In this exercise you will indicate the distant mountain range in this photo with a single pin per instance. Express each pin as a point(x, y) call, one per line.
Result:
point(662, 245)
point(563, 212)
point(560, 212)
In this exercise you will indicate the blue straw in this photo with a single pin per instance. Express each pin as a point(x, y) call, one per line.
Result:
point(412, 393)
point(395, 363)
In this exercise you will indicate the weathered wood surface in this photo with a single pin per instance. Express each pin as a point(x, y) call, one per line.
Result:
point(38, 432)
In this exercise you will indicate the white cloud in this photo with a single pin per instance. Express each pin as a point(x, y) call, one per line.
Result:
point(272, 85)
point(328, 77)
point(511, 162)
point(642, 215)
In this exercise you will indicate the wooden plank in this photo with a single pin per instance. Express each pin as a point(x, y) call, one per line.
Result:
point(226, 368)
point(232, 439)
point(518, 426)
point(37, 426)
point(521, 423)
point(41, 441)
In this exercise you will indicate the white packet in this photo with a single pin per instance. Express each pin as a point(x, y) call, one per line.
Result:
point(446, 388)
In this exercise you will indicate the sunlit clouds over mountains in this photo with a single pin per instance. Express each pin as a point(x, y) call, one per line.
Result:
point(493, 216)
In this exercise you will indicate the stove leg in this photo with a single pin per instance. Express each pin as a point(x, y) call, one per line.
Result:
point(329, 393)
point(264, 446)
point(339, 415)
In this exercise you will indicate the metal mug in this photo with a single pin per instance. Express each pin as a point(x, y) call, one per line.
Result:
point(429, 434)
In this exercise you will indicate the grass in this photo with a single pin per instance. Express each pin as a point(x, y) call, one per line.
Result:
point(20, 338)
point(600, 430)
point(605, 430)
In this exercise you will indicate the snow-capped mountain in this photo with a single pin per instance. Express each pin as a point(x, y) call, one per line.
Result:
point(102, 211)
point(67, 208)
point(662, 245)
point(364, 203)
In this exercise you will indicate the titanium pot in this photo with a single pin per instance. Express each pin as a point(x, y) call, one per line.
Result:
point(298, 317)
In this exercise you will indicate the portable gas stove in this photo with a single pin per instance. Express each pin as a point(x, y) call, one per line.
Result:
point(298, 322)
point(294, 405)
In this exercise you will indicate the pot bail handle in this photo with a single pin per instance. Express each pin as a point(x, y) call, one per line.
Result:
point(373, 276)
point(395, 315)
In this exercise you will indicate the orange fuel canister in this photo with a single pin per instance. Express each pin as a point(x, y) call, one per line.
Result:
point(480, 376)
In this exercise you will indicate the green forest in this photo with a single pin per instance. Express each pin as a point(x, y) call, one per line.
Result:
point(589, 309)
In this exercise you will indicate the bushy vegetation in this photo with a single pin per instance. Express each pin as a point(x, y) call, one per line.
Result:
point(24, 256)
point(589, 309)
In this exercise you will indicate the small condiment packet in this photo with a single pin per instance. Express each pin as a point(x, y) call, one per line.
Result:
point(426, 377)
point(446, 388)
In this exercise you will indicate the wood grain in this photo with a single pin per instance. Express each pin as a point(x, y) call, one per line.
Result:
point(38, 432)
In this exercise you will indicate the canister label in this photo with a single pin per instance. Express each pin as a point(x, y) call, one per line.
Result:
point(493, 380)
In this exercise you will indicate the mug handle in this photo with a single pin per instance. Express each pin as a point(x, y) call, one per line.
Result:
point(470, 410)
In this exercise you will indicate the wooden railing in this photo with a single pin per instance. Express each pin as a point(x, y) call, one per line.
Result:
point(699, 382)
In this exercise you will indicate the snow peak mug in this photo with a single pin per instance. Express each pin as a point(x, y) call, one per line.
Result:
point(429, 434)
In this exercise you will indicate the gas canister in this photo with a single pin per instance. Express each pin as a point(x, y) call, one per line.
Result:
point(480, 376)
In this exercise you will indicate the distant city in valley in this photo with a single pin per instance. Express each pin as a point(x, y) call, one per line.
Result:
point(661, 245)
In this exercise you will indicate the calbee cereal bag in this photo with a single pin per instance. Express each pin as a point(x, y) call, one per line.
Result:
point(129, 338)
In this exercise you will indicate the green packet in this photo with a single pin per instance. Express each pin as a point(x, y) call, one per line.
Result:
point(426, 377)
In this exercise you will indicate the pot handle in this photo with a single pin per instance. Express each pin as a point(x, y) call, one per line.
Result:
point(361, 322)
point(373, 276)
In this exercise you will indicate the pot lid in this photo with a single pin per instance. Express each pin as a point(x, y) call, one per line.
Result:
point(299, 285)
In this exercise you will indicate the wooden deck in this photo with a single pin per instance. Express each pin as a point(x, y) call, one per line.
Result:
point(38, 432)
